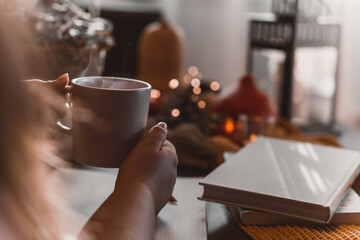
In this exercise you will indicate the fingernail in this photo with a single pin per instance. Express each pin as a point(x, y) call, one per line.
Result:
point(162, 125)
point(65, 76)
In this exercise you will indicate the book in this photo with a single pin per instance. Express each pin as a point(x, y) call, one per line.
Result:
point(292, 178)
point(348, 212)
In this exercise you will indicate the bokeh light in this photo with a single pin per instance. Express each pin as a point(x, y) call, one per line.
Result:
point(155, 93)
point(201, 104)
point(187, 79)
point(174, 83)
point(195, 82)
point(229, 125)
point(253, 137)
point(195, 98)
point(175, 112)
point(197, 90)
point(215, 86)
point(193, 71)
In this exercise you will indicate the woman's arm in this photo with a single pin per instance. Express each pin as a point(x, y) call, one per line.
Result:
point(127, 214)
point(144, 185)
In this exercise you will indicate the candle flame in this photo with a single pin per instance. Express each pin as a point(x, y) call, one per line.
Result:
point(229, 125)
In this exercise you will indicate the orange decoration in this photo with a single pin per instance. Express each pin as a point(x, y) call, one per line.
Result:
point(246, 99)
point(161, 54)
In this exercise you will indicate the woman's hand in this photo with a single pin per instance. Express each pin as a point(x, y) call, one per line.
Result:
point(152, 163)
point(59, 85)
point(144, 185)
point(50, 96)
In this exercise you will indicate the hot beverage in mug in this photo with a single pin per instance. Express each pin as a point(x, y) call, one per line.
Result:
point(108, 118)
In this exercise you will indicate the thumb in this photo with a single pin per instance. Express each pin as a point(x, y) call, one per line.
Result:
point(156, 136)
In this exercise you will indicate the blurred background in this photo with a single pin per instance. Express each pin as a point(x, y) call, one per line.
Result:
point(302, 53)
point(217, 40)
point(222, 71)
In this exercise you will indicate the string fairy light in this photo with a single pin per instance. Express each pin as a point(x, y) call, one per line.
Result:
point(155, 93)
point(196, 90)
point(187, 78)
point(175, 112)
point(215, 86)
point(195, 83)
point(195, 98)
point(193, 71)
point(201, 104)
point(174, 83)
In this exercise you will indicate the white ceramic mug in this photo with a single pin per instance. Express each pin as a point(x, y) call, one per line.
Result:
point(109, 116)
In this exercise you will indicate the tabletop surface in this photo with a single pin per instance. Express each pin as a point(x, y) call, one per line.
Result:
point(189, 219)
point(85, 189)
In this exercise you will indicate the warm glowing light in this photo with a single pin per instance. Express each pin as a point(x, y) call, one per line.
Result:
point(201, 104)
point(239, 125)
point(193, 71)
point(155, 93)
point(187, 79)
point(229, 125)
point(174, 83)
point(195, 98)
point(175, 112)
point(215, 86)
point(197, 90)
point(195, 82)
point(253, 137)
point(258, 119)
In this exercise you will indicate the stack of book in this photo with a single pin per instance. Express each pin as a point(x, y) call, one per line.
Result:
point(272, 181)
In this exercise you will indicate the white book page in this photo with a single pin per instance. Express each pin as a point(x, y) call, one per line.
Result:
point(287, 169)
point(350, 203)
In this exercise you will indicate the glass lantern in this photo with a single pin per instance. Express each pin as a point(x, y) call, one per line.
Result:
point(294, 55)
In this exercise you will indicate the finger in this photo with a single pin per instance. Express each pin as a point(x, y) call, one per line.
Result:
point(156, 136)
point(168, 146)
point(61, 82)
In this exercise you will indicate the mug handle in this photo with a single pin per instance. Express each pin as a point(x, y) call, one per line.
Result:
point(59, 125)
point(62, 128)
